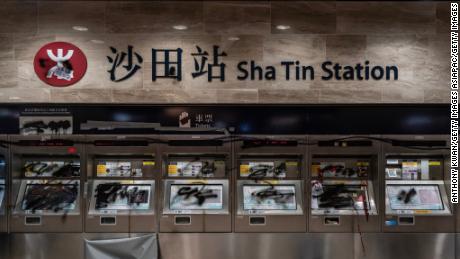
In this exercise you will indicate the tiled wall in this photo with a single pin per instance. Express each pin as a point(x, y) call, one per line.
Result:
point(413, 35)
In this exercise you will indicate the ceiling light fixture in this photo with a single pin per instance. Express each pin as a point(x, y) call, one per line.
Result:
point(80, 28)
point(180, 27)
point(283, 27)
point(97, 41)
point(233, 38)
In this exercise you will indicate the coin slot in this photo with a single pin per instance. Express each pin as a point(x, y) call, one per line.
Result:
point(108, 220)
point(182, 220)
point(33, 220)
point(332, 221)
point(256, 220)
point(410, 221)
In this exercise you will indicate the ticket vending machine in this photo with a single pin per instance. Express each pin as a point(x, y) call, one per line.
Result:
point(417, 173)
point(46, 176)
point(121, 179)
point(418, 221)
point(46, 200)
point(195, 189)
point(270, 185)
point(343, 184)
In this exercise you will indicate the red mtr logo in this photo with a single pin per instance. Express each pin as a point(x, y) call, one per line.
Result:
point(60, 64)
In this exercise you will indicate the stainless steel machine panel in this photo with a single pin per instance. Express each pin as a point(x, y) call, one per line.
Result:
point(46, 246)
point(344, 184)
point(269, 184)
point(121, 206)
point(256, 245)
point(196, 206)
point(195, 190)
point(121, 184)
point(416, 199)
point(405, 245)
point(46, 184)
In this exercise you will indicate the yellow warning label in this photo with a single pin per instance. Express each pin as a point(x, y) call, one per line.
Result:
point(272, 182)
point(362, 163)
point(315, 169)
point(422, 211)
point(148, 163)
point(434, 163)
point(172, 169)
point(244, 170)
point(292, 163)
point(101, 170)
point(409, 164)
point(197, 181)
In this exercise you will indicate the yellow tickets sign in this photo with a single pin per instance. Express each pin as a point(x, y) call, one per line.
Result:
point(101, 170)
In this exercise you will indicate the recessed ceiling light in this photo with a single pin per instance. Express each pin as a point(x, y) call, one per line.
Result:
point(233, 38)
point(283, 27)
point(80, 28)
point(180, 27)
point(97, 41)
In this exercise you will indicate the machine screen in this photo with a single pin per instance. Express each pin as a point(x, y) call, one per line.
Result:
point(195, 168)
point(340, 169)
point(120, 168)
point(196, 197)
point(50, 197)
point(264, 169)
point(117, 196)
point(51, 169)
point(414, 197)
point(340, 197)
point(266, 197)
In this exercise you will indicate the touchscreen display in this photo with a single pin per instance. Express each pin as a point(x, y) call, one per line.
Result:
point(414, 197)
point(340, 197)
point(50, 197)
point(266, 197)
point(116, 196)
point(196, 197)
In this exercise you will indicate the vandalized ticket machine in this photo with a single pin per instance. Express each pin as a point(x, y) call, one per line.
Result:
point(343, 177)
point(416, 180)
point(46, 176)
point(121, 185)
point(270, 188)
point(196, 180)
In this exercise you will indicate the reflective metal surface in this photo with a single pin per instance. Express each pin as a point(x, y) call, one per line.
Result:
point(356, 237)
point(256, 246)
point(428, 221)
point(405, 245)
point(46, 246)
point(322, 149)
